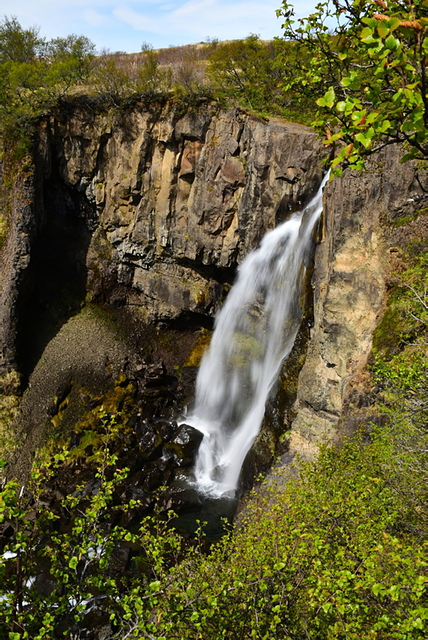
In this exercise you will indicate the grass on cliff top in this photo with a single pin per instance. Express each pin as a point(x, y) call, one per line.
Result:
point(250, 73)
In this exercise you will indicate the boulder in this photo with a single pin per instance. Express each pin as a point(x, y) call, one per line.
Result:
point(184, 445)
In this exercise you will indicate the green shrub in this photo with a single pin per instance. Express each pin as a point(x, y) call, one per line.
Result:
point(253, 73)
point(330, 555)
point(111, 81)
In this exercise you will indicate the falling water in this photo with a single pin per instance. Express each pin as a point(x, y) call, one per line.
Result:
point(254, 333)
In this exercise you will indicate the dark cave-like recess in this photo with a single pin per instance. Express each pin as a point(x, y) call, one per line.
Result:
point(55, 285)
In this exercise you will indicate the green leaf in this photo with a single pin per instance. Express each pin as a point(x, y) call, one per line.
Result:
point(392, 43)
point(329, 98)
point(371, 22)
point(383, 30)
point(418, 624)
point(364, 139)
point(367, 36)
point(382, 126)
point(337, 160)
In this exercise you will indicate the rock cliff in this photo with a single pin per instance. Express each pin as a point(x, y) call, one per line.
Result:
point(153, 211)
point(368, 218)
point(145, 215)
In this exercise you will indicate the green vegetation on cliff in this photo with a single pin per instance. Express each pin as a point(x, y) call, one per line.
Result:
point(37, 75)
point(355, 71)
point(254, 73)
point(34, 76)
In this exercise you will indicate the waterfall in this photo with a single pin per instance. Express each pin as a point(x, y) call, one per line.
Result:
point(254, 332)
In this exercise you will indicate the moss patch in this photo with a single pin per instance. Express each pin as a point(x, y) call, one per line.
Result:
point(9, 404)
point(403, 220)
point(202, 343)
point(400, 343)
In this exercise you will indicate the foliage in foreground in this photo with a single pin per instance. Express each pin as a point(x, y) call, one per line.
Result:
point(366, 63)
point(337, 553)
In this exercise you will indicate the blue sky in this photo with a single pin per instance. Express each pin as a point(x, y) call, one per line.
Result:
point(125, 25)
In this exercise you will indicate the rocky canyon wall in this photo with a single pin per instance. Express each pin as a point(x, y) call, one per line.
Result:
point(146, 213)
point(152, 211)
point(149, 212)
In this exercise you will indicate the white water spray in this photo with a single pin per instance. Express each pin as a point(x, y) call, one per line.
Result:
point(254, 333)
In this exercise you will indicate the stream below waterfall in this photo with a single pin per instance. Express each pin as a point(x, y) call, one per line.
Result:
point(254, 333)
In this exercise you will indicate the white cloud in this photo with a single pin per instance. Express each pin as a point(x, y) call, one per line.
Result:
point(199, 18)
point(94, 18)
point(137, 21)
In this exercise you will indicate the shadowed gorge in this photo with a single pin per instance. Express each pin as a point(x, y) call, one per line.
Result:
point(54, 288)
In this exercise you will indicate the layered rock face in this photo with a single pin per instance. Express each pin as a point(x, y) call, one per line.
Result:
point(147, 210)
point(368, 217)
point(178, 200)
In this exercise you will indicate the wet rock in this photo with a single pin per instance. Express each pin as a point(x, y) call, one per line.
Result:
point(165, 429)
point(184, 445)
point(134, 491)
point(119, 559)
point(181, 501)
point(44, 584)
point(97, 620)
point(155, 371)
point(139, 371)
point(162, 386)
point(149, 441)
point(6, 530)
point(158, 474)
point(91, 487)
point(183, 478)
